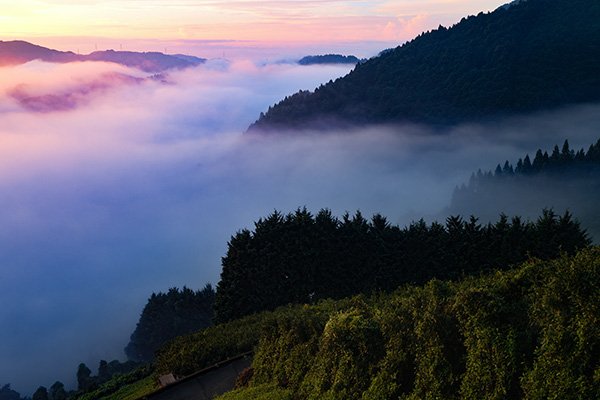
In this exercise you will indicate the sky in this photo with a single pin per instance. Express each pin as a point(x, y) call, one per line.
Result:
point(156, 24)
point(136, 188)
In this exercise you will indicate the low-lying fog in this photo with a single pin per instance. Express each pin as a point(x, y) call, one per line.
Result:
point(137, 187)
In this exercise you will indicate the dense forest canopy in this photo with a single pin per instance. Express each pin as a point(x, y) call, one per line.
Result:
point(528, 333)
point(168, 315)
point(534, 55)
point(328, 59)
point(563, 178)
point(300, 257)
point(559, 161)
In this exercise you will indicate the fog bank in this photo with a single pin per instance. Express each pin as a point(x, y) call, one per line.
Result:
point(139, 187)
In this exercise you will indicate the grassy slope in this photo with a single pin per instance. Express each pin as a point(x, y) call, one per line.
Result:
point(129, 386)
point(135, 390)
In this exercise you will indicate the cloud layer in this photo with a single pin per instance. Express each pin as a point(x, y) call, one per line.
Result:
point(139, 188)
point(113, 199)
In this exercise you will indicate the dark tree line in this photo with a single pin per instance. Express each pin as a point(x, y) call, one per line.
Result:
point(535, 55)
point(168, 315)
point(86, 382)
point(558, 162)
point(328, 59)
point(562, 178)
point(56, 392)
point(164, 317)
point(300, 257)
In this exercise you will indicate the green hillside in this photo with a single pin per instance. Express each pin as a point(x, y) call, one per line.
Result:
point(292, 258)
point(532, 332)
point(529, 333)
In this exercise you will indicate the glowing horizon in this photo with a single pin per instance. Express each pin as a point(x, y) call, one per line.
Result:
point(241, 20)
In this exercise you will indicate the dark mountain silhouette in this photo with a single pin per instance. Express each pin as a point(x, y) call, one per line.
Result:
point(19, 52)
point(148, 62)
point(328, 59)
point(533, 55)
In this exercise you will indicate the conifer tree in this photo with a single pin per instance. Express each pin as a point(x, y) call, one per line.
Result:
point(41, 393)
point(168, 315)
point(84, 380)
point(57, 391)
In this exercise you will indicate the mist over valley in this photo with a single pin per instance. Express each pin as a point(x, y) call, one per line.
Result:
point(121, 177)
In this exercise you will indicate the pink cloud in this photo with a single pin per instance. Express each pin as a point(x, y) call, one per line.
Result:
point(406, 27)
point(71, 97)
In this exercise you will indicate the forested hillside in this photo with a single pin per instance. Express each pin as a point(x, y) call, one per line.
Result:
point(529, 333)
point(562, 179)
point(399, 342)
point(168, 315)
point(300, 258)
point(328, 59)
point(534, 55)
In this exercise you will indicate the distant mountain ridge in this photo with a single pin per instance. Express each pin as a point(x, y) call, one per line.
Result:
point(533, 55)
point(19, 52)
point(328, 59)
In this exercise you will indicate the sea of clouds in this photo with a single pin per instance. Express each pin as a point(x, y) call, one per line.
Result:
point(137, 186)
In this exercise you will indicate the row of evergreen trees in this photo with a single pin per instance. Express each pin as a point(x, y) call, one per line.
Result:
point(563, 179)
point(56, 392)
point(299, 258)
point(559, 162)
point(168, 315)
